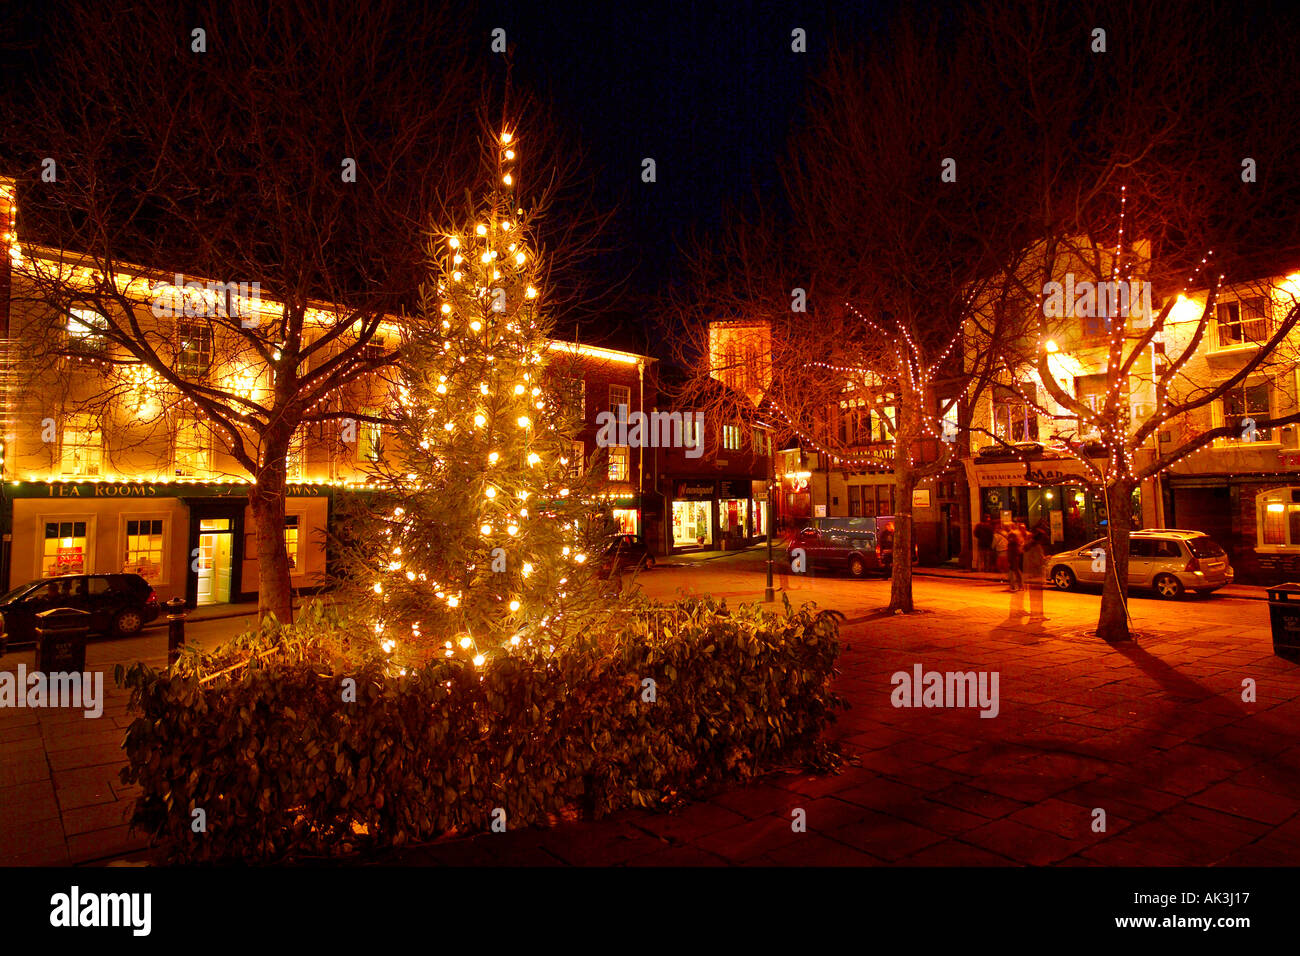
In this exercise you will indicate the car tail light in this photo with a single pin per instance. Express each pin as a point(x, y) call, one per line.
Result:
point(152, 598)
point(1193, 565)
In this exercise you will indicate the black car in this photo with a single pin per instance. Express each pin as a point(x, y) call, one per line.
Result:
point(119, 604)
point(628, 553)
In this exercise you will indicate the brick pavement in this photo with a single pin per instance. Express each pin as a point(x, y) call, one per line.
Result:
point(1155, 734)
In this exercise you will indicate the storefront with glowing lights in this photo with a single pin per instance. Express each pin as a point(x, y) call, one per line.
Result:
point(189, 539)
point(709, 515)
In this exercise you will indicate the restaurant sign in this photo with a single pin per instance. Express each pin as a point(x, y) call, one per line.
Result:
point(1064, 471)
point(147, 489)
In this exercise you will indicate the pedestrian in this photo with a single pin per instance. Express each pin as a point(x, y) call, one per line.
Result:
point(1035, 566)
point(1000, 549)
point(1015, 560)
point(984, 544)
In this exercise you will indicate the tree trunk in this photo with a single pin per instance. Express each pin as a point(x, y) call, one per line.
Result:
point(275, 588)
point(900, 581)
point(1112, 622)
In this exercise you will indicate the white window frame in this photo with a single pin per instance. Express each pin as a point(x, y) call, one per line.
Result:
point(86, 329)
point(124, 547)
point(1282, 499)
point(1235, 443)
point(624, 454)
point(731, 437)
point(1239, 301)
point(88, 553)
point(295, 556)
point(616, 402)
point(94, 442)
point(199, 427)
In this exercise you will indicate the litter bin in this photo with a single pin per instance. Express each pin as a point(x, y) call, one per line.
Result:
point(1284, 615)
point(61, 640)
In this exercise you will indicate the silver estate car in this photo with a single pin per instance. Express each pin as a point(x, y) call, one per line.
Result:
point(1168, 561)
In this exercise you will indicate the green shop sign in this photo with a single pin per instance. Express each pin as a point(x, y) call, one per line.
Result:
point(148, 489)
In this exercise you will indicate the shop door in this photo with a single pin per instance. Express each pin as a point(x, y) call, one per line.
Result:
point(216, 547)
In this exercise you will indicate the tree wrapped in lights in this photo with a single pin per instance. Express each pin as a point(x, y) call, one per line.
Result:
point(474, 543)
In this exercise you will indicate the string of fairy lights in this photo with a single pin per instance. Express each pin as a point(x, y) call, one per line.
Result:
point(499, 354)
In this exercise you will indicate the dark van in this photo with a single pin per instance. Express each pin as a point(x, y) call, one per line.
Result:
point(119, 604)
point(856, 545)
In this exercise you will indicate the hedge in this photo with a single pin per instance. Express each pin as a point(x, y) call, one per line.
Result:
point(281, 766)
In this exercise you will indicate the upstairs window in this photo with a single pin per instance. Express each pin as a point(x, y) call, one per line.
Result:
point(1242, 322)
point(194, 343)
point(620, 400)
point(1014, 418)
point(1242, 407)
point(82, 447)
point(620, 457)
point(86, 330)
point(731, 437)
point(192, 455)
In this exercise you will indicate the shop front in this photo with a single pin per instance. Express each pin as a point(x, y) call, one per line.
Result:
point(1052, 494)
point(692, 515)
point(188, 539)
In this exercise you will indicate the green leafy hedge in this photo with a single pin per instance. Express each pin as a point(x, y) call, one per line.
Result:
point(280, 765)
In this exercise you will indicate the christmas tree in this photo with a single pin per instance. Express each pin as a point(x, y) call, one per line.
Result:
point(475, 544)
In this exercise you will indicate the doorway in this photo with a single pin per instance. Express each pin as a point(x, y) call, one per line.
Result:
point(214, 561)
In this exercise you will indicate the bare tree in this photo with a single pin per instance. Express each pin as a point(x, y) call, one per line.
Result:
point(289, 152)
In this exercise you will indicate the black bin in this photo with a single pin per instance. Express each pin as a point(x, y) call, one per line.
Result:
point(61, 640)
point(1284, 615)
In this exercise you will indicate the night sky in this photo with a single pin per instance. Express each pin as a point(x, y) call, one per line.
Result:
point(708, 92)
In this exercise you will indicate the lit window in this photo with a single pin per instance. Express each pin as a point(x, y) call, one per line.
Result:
point(577, 459)
point(1242, 322)
point(370, 439)
point(1278, 521)
point(291, 539)
point(1014, 418)
point(731, 437)
point(65, 548)
point(193, 446)
point(144, 548)
point(1241, 407)
point(194, 344)
point(86, 329)
point(82, 450)
point(294, 461)
point(620, 457)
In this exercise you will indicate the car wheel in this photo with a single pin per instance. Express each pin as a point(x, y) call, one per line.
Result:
point(1167, 586)
point(1062, 578)
point(127, 622)
point(857, 567)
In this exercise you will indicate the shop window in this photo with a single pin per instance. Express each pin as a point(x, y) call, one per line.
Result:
point(1246, 401)
point(620, 400)
point(1279, 518)
point(195, 349)
point(626, 519)
point(144, 548)
point(733, 516)
point(620, 457)
point(82, 448)
point(65, 548)
point(692, 523)
point(1242, 322)
point(192, 446)
point(291, 539)
point(731, 437)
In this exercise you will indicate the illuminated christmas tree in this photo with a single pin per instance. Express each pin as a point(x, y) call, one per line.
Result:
point(474, 545)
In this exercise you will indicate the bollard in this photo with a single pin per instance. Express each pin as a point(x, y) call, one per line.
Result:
point(175, 629)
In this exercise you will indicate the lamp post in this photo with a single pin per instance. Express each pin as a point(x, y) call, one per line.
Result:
point(769, 594)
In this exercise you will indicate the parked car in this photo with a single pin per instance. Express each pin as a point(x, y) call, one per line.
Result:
point(1165, 560)
point(856, 545)
point(629, 552)
point(119, 604)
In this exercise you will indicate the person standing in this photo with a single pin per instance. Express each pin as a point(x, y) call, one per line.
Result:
point(1000, 549)
point(984, 545)
point(1015, 560)
point(1035, 565)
